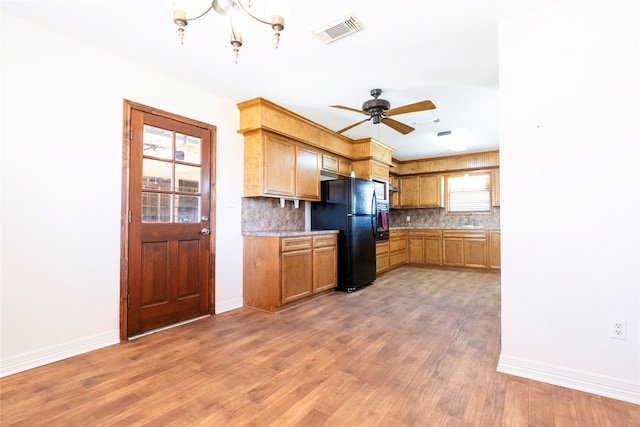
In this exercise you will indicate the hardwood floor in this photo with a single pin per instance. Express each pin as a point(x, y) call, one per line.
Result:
point(418, 348)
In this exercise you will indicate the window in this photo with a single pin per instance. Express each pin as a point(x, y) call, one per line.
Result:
point(468, 193)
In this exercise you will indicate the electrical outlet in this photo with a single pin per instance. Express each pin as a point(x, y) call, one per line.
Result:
point(619, 329)
point(408, 218)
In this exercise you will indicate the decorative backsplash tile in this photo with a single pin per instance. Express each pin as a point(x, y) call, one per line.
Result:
point(265, 213)
point(436, 218)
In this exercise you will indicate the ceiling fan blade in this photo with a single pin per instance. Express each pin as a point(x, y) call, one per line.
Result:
point(410, 108)
point(353, 125)
point(348, 109)
point(400, 127)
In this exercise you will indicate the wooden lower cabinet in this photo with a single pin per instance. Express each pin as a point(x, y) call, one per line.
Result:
point(494, 249)
point(397, 248)
point(455, 248)
point(382, 257)
point(464, 248)
point(425, 246)
point(281, 271)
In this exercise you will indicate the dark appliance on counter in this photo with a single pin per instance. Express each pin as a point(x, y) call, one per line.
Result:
point(382, 221)
point(349, 205)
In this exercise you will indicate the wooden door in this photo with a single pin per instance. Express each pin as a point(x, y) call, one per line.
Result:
point(169, 217)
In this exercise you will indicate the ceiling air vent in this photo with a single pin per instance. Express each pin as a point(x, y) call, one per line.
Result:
point(337, 29)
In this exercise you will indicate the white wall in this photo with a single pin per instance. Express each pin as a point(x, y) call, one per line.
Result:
point(570, 192)
point(62, 106)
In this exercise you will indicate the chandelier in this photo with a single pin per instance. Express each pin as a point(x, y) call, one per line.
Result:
point(232, 9)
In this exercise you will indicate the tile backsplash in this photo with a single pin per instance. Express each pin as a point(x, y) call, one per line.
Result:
point(265, 213)
point(436, 218)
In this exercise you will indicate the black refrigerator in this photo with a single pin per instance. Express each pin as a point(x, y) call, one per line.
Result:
point(349, 205)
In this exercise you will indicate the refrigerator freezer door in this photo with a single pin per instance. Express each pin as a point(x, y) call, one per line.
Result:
point(363, 197)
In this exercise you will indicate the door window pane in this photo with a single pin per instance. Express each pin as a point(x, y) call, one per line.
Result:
point(188, 178)
point(156, 207)
point(156, 175)
point(187, 148)
point(187, 208)
point(157, 142)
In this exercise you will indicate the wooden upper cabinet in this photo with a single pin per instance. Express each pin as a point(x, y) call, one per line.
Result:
point(307, 174)
point(329, 163)
point(421, 191)
point(409, 195)
point(394, 195)
point(276, 166)
point(280, 166)
point(430, 187)
point(344, 166)
point(495, 187)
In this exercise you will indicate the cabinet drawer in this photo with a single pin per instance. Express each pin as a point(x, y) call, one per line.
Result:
point(324, 240)
point(382, 248)
point(296, 243)
point(397, 234)
point(397, 245)
point(466, 234)
point(425, 233)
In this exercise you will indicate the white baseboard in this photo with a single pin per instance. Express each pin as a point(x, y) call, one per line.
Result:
point(615, 388)
point(228, 305)
point(32, 359)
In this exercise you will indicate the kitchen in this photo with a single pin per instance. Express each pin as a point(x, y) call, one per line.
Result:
point(418, 225)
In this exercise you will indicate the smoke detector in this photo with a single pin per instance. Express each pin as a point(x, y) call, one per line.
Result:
point(338, 28)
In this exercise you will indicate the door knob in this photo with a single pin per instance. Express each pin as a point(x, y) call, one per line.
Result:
point(205, 231)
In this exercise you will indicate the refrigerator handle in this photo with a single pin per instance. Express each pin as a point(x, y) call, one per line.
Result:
point(374, 216)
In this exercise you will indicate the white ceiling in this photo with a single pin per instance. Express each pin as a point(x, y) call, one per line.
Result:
point(445, 51)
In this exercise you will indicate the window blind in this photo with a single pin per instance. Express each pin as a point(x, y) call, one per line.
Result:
point(469, 193)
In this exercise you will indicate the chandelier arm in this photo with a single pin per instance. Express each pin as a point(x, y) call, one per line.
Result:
point(202, 14)
point(246, 9)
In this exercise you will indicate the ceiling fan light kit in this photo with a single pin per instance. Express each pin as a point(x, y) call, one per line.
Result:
point(379, 111)
point(232, 9)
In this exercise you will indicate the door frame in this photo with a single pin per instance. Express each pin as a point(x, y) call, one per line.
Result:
point(128, 106)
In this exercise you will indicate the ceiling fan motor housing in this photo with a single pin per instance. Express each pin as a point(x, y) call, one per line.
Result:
point(376, 107)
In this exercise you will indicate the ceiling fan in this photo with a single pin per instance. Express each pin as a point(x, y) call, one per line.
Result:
point(380, 110)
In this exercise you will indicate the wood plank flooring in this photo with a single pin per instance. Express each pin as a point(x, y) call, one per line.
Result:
point(418, 348)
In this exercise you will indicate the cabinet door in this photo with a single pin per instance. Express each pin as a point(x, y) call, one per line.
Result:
point(394, 196)
point(416, 250)
point(409, 192)
point(279, 166)
point(432, 250)
point(452, 251)
point(307, 174)
point(324, 268)
point(329, 163)
point(344, 166)
point(495, 187)
point(430, 187)
point(494, 249)
point(297, 275)
point(475, 253)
